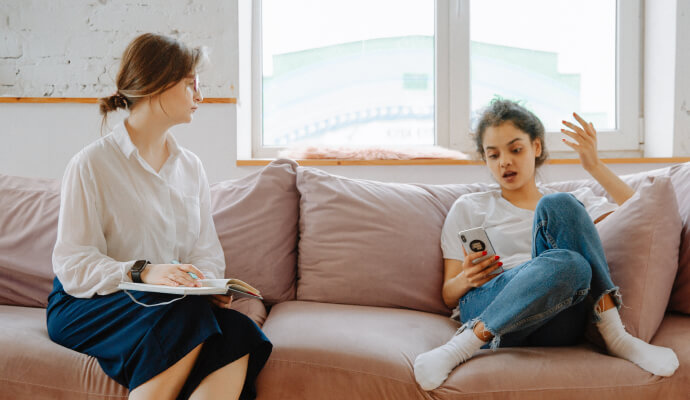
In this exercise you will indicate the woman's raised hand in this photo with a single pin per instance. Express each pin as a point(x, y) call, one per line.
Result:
point(171, 275)
point(585, 144)
point(478, 274)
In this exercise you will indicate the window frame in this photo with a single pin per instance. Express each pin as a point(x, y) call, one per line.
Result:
point(452, 84)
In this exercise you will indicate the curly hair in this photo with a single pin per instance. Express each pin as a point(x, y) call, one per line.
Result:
point(500, 111)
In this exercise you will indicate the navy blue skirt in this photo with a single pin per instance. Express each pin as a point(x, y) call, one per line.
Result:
point(134, 343)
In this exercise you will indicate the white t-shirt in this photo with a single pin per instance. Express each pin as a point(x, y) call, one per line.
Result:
point(116, 209)
point(509, 227)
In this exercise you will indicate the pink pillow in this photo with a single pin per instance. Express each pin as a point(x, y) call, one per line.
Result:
point(680, 178)
point(680, 296)
point(256, 221)
point(372, 243)
point(641, 241)
point(29, 209)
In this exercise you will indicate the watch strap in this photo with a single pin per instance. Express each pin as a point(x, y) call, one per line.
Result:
point(137, 269)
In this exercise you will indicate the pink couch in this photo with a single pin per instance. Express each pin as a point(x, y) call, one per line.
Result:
point(351, 271)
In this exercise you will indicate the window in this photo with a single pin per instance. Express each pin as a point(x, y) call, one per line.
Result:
point(417, 72)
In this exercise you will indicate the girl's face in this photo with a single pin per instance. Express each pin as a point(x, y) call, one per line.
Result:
point(510, 155)
point(180, 101)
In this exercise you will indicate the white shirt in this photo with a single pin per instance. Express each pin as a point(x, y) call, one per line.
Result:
point(509, 227)
point(116, 209)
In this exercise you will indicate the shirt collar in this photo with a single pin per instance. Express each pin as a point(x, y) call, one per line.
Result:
point(124, 142)
point(121, 137)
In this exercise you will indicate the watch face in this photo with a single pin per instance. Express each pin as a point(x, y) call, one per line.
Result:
point(139, 265)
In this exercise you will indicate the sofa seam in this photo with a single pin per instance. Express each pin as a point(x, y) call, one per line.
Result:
point(342, 369)
point(65, 390)
point(597, 388)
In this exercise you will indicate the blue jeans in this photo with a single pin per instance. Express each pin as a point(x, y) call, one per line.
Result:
point(540, 302)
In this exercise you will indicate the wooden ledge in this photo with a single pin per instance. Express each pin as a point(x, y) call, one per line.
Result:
point(441, 161)
point(94, 100)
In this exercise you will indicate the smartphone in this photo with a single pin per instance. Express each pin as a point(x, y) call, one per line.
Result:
point(476, 240)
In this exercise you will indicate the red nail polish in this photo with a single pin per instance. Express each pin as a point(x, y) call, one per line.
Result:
point(484, 253)
point(497, 257)
point(500, 264)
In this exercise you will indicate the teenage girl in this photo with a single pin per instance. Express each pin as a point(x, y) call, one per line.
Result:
point(135, 206)
point(555, 271)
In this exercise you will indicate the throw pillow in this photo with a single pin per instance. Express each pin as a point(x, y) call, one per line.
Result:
point(641, 241)
point(372, 243)
point(29, 209)
point(256, 221)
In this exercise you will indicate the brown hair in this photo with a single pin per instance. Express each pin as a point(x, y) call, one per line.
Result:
point(501, 111)
point(150, 65)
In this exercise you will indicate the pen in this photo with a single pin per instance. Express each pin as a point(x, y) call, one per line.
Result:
point(192, 274)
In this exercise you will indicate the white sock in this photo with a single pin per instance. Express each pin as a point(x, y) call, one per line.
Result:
point(658, 360)
point(432, 368)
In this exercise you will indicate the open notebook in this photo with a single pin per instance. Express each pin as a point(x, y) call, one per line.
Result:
point(234, 287)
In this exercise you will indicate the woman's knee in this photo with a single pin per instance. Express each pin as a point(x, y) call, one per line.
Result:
point(567, 269)
point(572, 268)
point(559, 202)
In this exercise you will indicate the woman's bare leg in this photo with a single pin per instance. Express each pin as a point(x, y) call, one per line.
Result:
point(167, 384)
point(224, 383)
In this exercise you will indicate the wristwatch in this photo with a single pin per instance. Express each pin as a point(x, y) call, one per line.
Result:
point(137, 269)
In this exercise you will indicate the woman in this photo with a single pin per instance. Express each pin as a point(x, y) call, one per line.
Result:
point(555, 271)
point(135, 206)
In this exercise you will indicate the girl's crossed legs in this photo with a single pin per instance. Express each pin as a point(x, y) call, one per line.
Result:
point(540, 303)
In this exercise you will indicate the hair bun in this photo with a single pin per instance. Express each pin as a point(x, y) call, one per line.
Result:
point(112, 103)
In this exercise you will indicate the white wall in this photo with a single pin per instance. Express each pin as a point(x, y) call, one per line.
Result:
point(38, 139)
point(72, 48)
point(667, 78)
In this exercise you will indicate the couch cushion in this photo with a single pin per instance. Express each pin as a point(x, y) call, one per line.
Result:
point(641, 240)
point(579, 372)
point(334, 351)
point(29, 210)
point(256, 221)
point(33, 367)
point(372, 243)
point(343, 352)
point(680, 178)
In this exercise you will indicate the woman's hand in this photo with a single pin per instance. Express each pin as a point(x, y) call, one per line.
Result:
point(585, 137)
point(171, 275)
point(478, 274)
point(221, 300)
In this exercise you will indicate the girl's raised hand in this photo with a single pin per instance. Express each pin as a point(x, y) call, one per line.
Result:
point(585, 144)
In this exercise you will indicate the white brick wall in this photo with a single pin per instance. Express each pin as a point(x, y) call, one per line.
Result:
point(72, 48)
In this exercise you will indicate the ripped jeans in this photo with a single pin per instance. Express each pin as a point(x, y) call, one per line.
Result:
point(546, 301)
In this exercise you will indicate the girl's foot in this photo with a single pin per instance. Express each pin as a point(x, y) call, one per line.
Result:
point(432, 368)
point(658, 360)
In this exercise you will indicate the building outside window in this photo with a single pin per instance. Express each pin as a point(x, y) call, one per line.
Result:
point(417, 72)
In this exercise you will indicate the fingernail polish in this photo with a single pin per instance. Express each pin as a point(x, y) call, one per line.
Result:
point(500, 264)
point(484, 253)
point(497, 257)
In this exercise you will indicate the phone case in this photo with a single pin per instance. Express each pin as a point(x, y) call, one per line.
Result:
point(476, 240)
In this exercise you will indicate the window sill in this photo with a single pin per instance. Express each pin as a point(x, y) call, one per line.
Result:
point(441, 161)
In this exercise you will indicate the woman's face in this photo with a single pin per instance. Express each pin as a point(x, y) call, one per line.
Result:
point(510, 155)
point(180, 101)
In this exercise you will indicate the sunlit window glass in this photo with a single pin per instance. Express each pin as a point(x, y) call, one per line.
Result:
point(356, 72)
point(557, 56)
